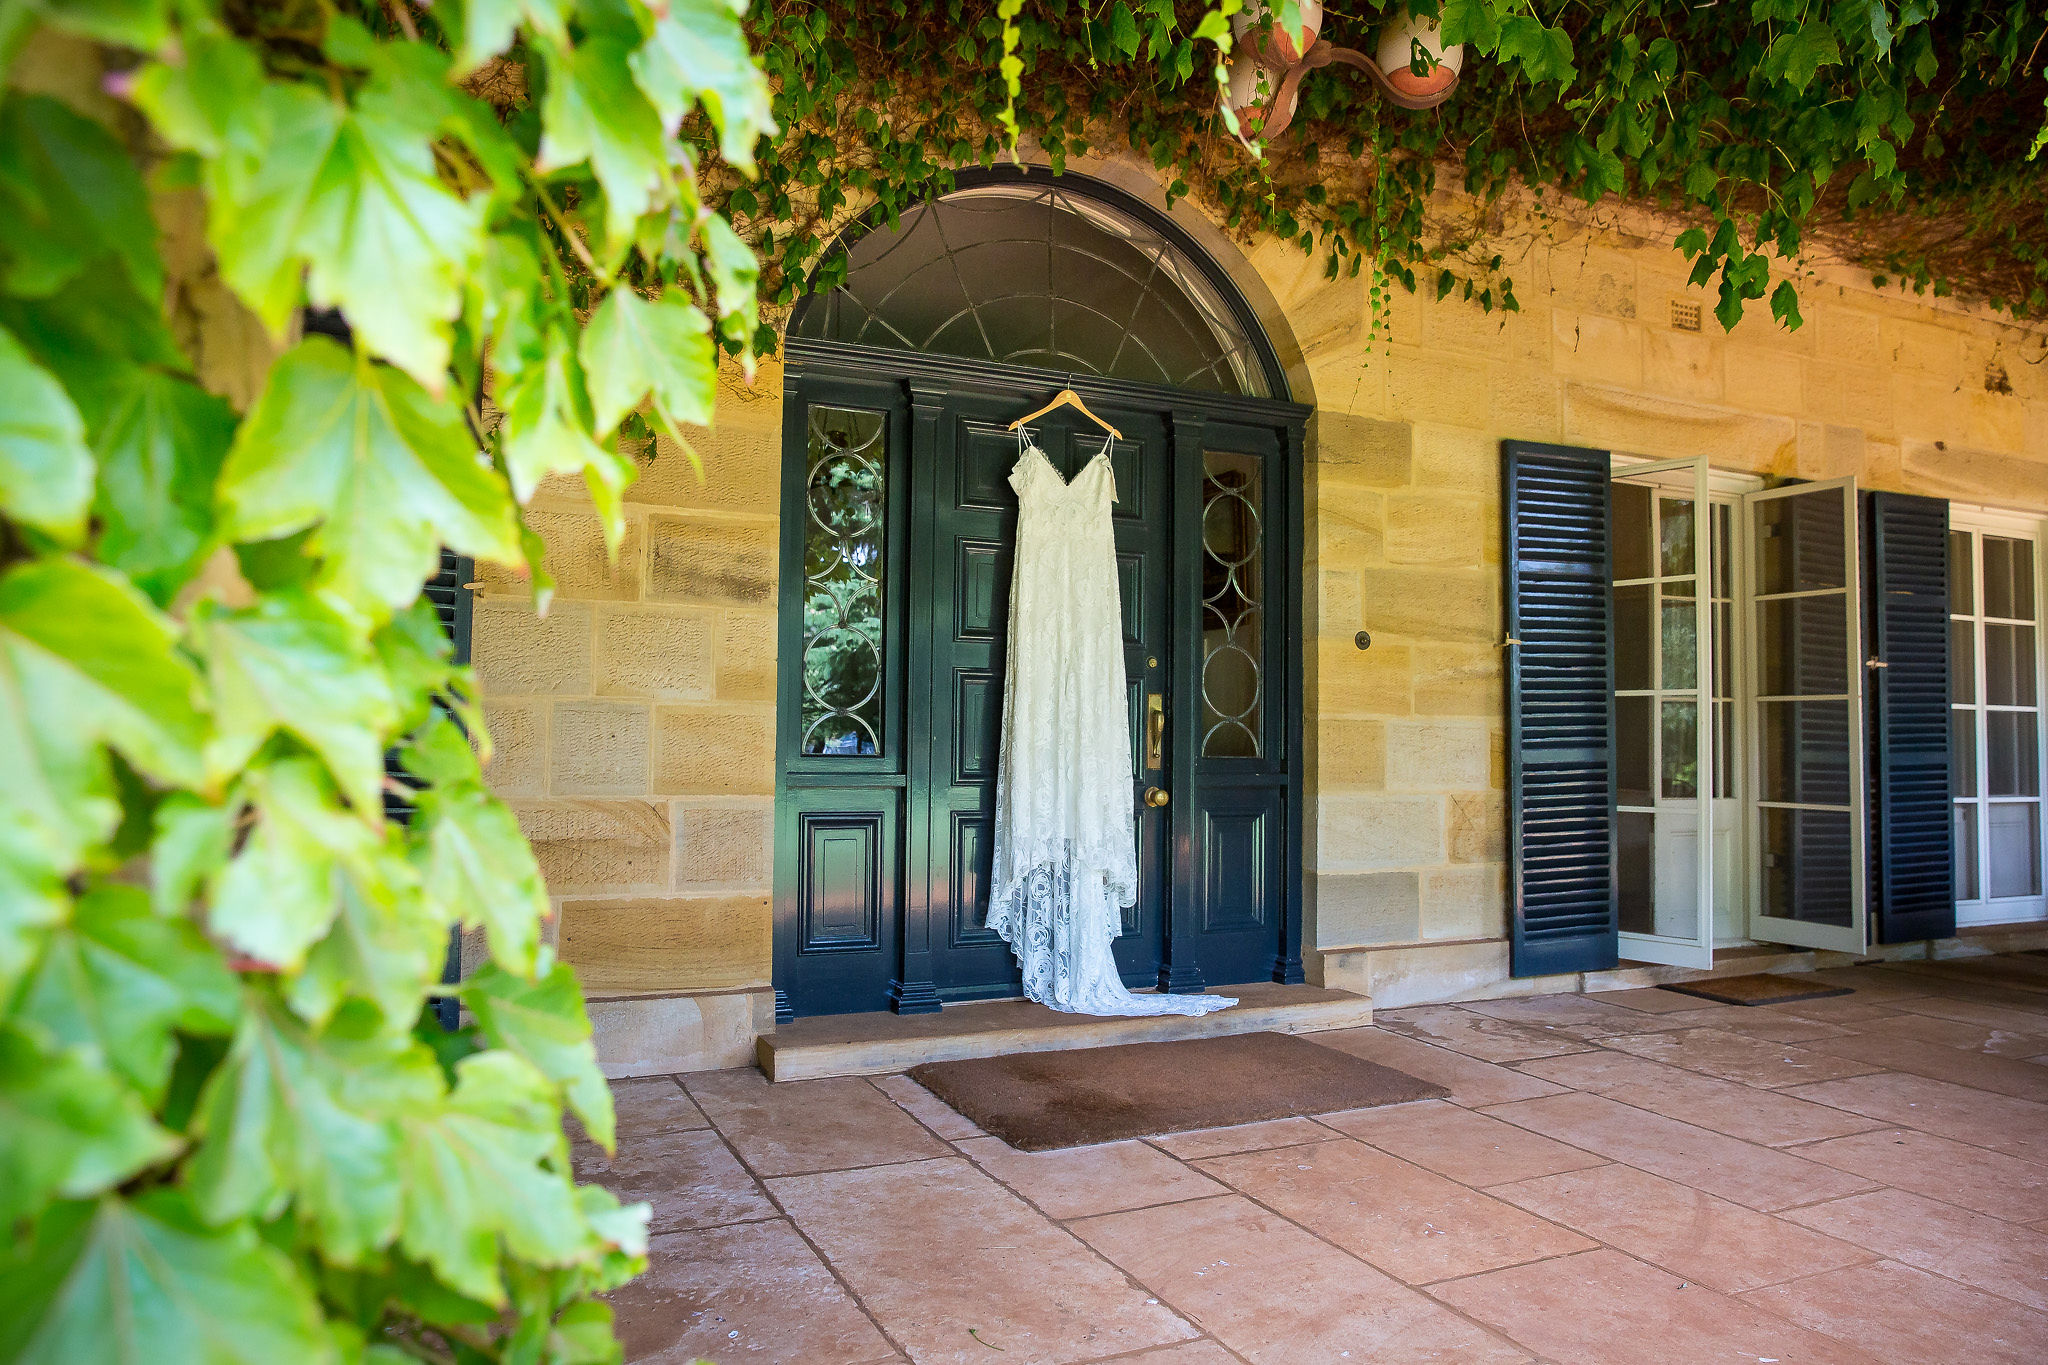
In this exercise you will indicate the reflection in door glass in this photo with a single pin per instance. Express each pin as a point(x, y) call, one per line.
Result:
point(1995, 754)
point(844, 502)
point(1233, 606)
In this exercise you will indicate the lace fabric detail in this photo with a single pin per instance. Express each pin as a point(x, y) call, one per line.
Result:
point(1065, 857)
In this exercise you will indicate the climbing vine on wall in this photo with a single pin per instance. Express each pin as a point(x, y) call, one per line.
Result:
point(230, 1129)
point(1897, 135)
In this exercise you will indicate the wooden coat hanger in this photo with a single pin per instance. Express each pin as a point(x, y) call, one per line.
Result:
point(1067, 398)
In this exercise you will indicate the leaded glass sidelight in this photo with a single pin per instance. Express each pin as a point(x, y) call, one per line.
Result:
point(1233, 606)
point(845, 497)
point(1032, 272)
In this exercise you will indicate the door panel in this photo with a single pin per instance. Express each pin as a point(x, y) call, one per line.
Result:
point(974, 530)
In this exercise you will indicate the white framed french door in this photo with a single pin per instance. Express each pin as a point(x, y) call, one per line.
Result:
point(1804, 613)
point(1998, 699)
point(1664, 586)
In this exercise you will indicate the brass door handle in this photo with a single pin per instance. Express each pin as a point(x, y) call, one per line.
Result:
point(1155, 732)
point(1155, 797)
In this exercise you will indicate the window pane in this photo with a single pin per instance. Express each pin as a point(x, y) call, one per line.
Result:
point(2013, 753)
point(2015, 855)
point(1800, 542)
point(1675, 532)
point(1805, 750)
point(843, 566)
point(1637, 864)
point(1632, 535)
point(1724, 656)
point(1724, 749)
point(2008, 665)
point(1681, 762)
point(1962, 662)
point(1803, 646)
point(1233, 606)
point(1724, 553)
point(1634, 640)
point(1962, 752)
point(2009, 578)
point(1966, 852)
point(1681, 640)
point(1807, 866)
point(1635, 751)
point(1961, 599)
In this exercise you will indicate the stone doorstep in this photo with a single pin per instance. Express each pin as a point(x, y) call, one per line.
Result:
point(872, 1044)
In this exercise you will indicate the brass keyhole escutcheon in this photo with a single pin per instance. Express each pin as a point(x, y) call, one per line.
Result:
point(1155, 797)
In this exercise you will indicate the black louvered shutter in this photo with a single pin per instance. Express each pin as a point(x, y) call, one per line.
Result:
point(449, 591)
point(1912, 824)
point(1560, 677)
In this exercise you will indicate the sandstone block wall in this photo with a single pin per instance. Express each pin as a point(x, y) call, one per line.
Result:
point(635, 737)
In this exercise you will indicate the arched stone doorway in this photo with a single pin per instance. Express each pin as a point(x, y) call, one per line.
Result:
point(920, 342)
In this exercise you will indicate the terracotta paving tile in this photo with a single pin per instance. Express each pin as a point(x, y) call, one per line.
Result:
point(927, 1108)
point(1739, 1111)
point(658, 1105)
point(1969, 981)
point(2003, 1258)
point(1752, 1022)
point(1471, 1148)
point(1746, 1061)
point(1650, 1000)
point(1978, 1012)
point(1978, 1117)
point(1966, 1037)
point(726, 1294)
point(1084, 1180)
point(1277, 1296)
point(1560, 1012)
point(1832, 1009)
point(1476, 1035)
point(809, 1125)
point(689, 1178)
point(2009, 971)
point(1470, 1082)
point(1412, 1223)
point(1244, 1137)
point(1721, 1245)
point(1878, 985)
point(1758, 1177)
point(937, 1250)
point(1604, 1308)
point(1898, 1313)
point(1979, 1071)
point(1187, 1353)
point(1989, 1182)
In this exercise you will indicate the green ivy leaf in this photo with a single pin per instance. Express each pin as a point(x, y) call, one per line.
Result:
point(698, 54)
point(1123, 29)
point(1798, 55)
point(388, 473)
point(1785, 305)
point(192, 839)
point(478, 867)
point(68, 1127)
point(289, 663)
point(1470, 21)
point(544, 1021)
point(1543, 53)
point(349, 201)
point(488, 26)
point(546, 429)
point(45, 467)
point(208, 98)
point(386, 947)
point(69, 193)
point(593, 112)
point(282, 890)
point(125, 23)
point(119, 978)
point(634, 346)
point(160, 441)
point(474, 1174)
point(146, 1280)
point(84, 661)
point(734, 273)
point(299, 1117)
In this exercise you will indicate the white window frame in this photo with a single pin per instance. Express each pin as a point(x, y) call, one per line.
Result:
point(1979, 522)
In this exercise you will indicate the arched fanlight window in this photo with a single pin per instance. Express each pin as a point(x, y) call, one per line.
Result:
point(1057, 273)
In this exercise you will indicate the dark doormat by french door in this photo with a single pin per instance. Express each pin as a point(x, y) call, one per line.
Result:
point(1038, 1101)
point(1765, 988)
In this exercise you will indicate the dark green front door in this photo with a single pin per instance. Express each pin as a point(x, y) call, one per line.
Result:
point(965, 616)
point(898, 523)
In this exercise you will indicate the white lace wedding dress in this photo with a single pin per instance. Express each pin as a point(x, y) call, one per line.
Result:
point(1065, 851)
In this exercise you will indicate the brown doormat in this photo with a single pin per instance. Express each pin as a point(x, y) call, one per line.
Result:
point(1765, 988)
point(1037, 1101)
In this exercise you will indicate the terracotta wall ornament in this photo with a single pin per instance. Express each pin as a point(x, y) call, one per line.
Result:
point(1270, 61)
